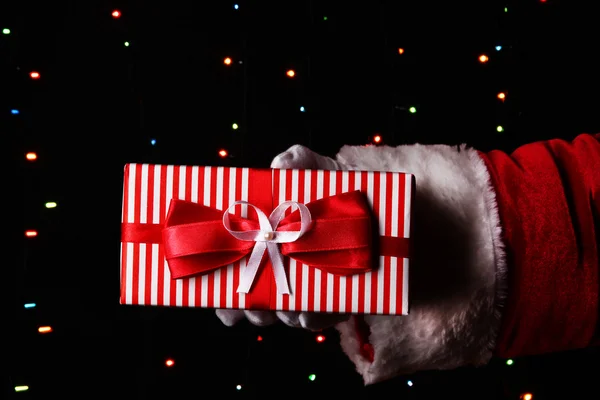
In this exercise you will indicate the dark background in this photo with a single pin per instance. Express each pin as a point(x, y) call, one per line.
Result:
point(98, 104)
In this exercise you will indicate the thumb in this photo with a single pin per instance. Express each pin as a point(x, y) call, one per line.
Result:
point(301, 157)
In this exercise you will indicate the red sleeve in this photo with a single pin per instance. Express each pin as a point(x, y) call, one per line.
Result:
point(548, 196)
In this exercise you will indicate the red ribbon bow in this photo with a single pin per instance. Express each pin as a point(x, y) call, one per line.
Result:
point(338, 241)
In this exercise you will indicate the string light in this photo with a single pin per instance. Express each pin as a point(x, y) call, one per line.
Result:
point(31, 156)
point(30, 233)
point(236, 7)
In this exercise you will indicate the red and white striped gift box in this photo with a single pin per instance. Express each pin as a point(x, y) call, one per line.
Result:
point(145, 273)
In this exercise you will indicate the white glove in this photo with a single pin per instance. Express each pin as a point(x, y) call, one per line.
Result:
point(457, 268)
point(296, 157)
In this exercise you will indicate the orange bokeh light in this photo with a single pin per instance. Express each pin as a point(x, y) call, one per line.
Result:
point(401, 51)
point(291, 73)
point(502, 96)
point(31, 233)
point(483, 58)
point(170, 362)
point(527, 396)
point(116, 14)
point(377, 139)
point(320, 338)
point(45, 329)
point(227, 61)
point(223, 153)
point(31, 156)
point(34, 75)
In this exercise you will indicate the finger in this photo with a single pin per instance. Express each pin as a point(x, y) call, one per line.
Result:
point(230, 317)
point(261, 318)
point(318, 321)
point(290, 318)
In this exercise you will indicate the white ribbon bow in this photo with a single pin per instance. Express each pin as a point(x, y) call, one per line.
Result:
point(267, 238)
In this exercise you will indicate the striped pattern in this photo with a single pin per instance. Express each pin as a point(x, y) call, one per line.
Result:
point(145, 277)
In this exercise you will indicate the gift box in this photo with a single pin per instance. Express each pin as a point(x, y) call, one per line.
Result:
point(266, 239)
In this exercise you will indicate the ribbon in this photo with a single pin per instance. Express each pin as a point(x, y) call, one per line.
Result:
point(334, 234)
point(266, 238)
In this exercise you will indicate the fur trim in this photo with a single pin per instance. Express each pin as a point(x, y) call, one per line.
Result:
point(458, 272)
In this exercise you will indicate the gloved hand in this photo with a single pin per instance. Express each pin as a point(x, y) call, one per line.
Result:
point(456, 265)
point(296, 157)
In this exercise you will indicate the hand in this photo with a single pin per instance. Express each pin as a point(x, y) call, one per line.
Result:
point(455, 271)
point(296, 157)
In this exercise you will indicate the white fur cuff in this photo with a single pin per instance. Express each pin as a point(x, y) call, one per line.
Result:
point(457, 275)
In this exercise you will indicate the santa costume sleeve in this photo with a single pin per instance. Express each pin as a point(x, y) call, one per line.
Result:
point(546, 196)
